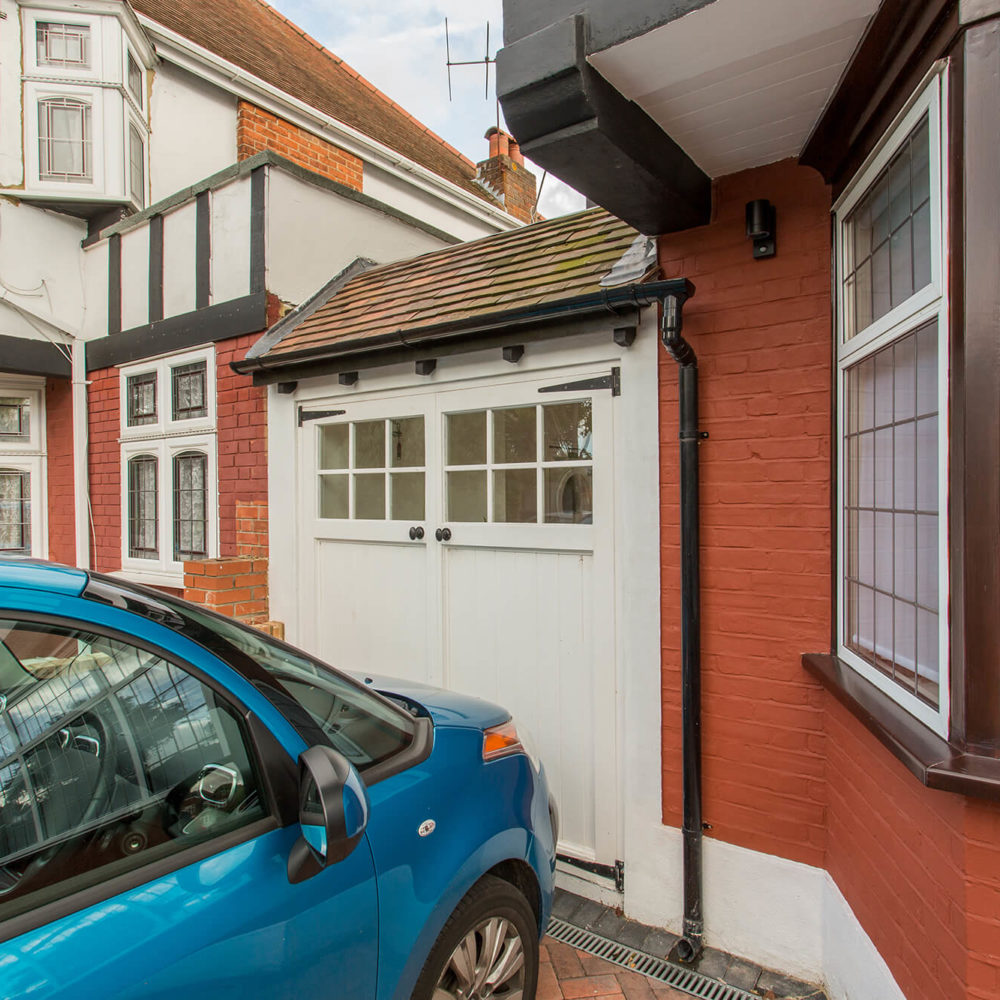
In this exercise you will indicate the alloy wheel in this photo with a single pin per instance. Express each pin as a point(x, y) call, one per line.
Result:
point(487, 964)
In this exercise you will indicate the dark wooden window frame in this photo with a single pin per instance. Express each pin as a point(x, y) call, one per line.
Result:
point(901, 44)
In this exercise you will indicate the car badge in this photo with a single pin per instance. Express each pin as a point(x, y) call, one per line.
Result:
point(426, 828)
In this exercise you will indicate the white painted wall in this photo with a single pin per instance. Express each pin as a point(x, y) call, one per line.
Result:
point(11, 166)
point(193, 130)
point(179, 260)
point(40, 267)
point(395, 191)
point(95, 277)
point(135, 277)
point(313, 233)
point(231, 240)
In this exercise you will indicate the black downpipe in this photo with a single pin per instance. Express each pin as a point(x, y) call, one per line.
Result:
point(690, 945)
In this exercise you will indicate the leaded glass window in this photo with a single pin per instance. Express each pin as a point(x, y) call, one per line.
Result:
point(142, 507)
point(190, 505)
point(15, 512)
point(892, 353)
point(141, 407)
point(189, 391)
point(15, 418)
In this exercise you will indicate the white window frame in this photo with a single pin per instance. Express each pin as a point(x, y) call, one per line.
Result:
point(93, 71)
point(29, 456)
point(164, 440)
point(34, 95)
point(139, 199)
point(928, 304)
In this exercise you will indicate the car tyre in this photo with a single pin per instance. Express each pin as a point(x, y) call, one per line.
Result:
point(488, 949)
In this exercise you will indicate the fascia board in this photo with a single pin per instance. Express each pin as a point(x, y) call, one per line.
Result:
point(232, 78)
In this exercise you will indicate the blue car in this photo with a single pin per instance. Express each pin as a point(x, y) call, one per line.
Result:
point(189, 808)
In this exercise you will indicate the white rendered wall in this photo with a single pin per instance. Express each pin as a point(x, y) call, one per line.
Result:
point(313, 234)
point(193, 130)
point(179, 260)
point(11, 166)
point(231, 240)
point(135, 277)
point(40, 267)
point(396, 192)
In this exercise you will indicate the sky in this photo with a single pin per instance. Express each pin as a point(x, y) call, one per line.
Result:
point(399, 45)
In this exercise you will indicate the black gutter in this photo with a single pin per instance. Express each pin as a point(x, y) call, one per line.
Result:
point(282, 366)
point(690, 945)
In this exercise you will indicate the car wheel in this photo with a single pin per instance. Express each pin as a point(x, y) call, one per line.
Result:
point(488, 949)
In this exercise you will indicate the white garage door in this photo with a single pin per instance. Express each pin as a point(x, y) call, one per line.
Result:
point(464, 537)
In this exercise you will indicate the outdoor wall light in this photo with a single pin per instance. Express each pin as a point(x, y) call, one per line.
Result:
point(761, 223)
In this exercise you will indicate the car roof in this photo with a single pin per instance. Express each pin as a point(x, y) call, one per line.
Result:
point(35, 574)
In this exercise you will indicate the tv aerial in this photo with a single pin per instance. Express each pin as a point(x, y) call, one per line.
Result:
point(485, 62)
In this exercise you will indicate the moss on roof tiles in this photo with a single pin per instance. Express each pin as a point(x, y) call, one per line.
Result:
point(537, 265)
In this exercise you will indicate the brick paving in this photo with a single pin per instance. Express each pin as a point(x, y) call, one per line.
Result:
point(567, 974)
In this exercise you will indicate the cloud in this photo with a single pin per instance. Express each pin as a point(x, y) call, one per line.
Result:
point(399, 45)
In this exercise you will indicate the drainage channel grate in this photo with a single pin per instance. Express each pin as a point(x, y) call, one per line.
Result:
point(685, 980)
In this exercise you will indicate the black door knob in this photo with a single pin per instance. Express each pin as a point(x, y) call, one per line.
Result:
point(416, 533)
point(443, 534)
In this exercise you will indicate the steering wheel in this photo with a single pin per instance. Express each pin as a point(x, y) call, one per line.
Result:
point(106, 751)
point(103, 746)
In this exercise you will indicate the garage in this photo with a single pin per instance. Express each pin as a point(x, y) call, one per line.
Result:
point(462, 458)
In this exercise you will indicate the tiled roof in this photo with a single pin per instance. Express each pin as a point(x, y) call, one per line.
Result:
point(525, 269)
point(257, 38)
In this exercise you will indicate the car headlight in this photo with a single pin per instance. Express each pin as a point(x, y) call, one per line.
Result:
point(506, 739)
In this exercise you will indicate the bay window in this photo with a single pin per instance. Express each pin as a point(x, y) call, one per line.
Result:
point(892, 361)
point(169, 484)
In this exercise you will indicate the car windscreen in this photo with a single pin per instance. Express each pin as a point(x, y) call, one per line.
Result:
point(321, 704)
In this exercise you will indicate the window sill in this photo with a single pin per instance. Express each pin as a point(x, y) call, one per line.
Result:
point(150, 578)
point(934, 761)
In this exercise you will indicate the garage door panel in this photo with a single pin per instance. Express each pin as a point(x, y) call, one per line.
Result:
point(372, 608)
point(517, 630)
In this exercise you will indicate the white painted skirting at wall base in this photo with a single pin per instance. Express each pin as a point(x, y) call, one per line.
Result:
point(780, 914)
point(854, 970)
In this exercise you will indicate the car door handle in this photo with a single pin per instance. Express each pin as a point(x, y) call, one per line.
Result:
point(443, 534)
point(416, 533)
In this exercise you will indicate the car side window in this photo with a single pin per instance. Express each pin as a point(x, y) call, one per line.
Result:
point(111, 758)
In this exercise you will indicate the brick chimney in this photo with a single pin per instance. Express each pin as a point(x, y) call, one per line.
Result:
point(505, 175)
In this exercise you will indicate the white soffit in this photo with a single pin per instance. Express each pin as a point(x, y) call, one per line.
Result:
point(739, 83)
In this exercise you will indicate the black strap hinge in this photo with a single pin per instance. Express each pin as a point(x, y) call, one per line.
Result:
point(305, 415)
point(612, 381)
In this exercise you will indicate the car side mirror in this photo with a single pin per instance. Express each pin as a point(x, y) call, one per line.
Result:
point(333, 812)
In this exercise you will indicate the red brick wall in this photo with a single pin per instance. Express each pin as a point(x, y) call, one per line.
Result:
point(59, 470)
point(242, 440)
point(762, 333)
point(104, 462)
point(257, 130)
point(788, 770)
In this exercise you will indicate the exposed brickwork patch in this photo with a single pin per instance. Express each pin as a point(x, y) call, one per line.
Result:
point(257, 130)
point(104, 462)
point(242, 444)
point(59, 470)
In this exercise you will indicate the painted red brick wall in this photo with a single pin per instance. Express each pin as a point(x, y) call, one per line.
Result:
point(762, 333)
point(788, 770)
point(104, 462)
point(242, 440)
point(59, 470)
point(257, 130)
